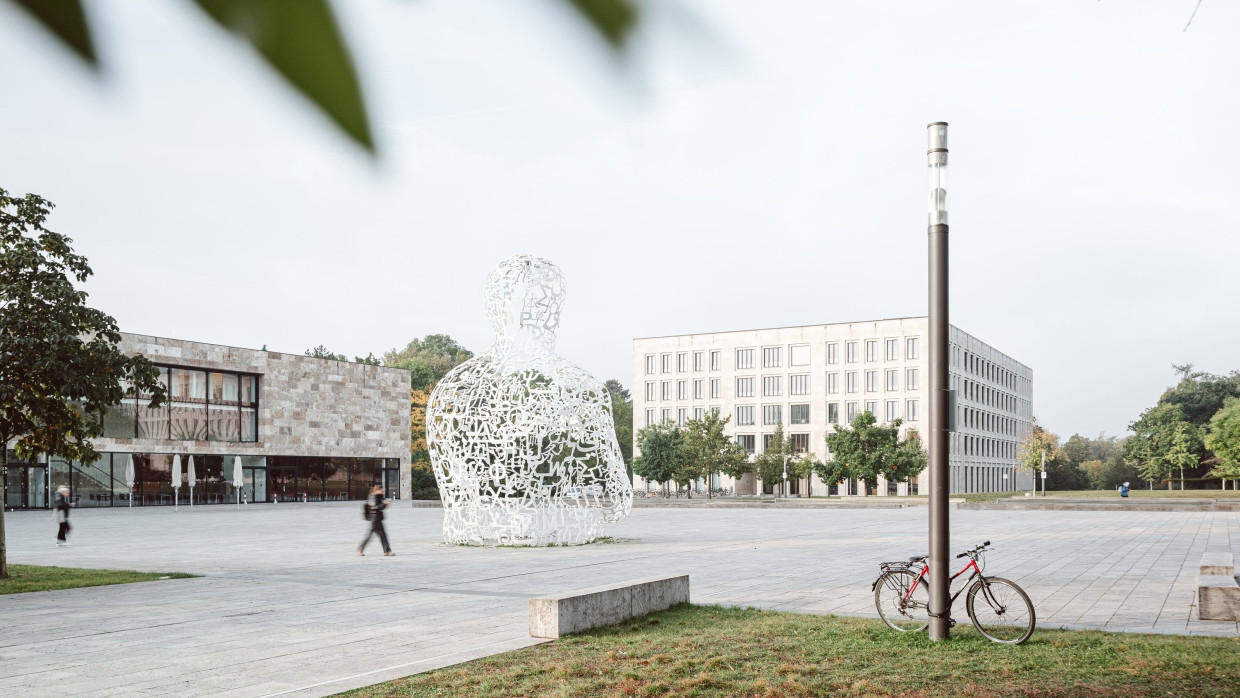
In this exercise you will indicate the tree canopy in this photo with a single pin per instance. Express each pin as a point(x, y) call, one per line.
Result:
point(1224, 440)
point(707, 450)
point(661, 456)
point(622, 417)
point(428, 359)
point(60, 361)
point(864, 450)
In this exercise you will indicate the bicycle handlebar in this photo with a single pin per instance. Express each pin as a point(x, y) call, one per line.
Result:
point(974, 550)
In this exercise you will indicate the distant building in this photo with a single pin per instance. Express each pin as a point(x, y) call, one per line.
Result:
point(306, 429)
point(812, 377)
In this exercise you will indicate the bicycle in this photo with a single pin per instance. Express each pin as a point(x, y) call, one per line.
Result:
point(1000, 610)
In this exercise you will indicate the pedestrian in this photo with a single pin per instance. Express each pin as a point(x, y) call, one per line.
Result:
point(1123, 490)
point(374, 513)
point(60, 511)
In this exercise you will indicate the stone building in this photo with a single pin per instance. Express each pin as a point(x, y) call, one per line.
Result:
point(813, 377)
point(306, 429)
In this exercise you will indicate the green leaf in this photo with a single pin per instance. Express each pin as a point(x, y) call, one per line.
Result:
point(614, 19)
point(67, 21)
point(301, 40)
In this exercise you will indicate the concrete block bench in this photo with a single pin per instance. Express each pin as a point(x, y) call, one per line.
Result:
point(1218, 589)
point(581, 610)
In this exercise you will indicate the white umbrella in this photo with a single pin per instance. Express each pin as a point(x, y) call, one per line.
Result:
point(129, 477)
point(176, 479)
point(238, 478)
point(193, 480)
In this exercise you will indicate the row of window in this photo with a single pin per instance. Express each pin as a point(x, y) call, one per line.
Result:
point(988, 370)
point(773, 386)
point(799, 413)
point(773, 357)
point(201, 406)
point(986, 421)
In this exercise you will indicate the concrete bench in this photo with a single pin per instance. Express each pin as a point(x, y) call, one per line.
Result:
point(1218, 589)
point(581, 610)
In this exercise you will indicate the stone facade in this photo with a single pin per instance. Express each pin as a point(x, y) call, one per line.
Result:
point(307, 406)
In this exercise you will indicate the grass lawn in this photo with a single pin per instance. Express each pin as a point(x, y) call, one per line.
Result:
point(712, 651)
point(23, 578)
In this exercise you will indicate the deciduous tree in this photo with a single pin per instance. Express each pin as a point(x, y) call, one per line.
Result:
point(661, 452)
point(777, 454)
point(622, 417)
point(1224, 440)
point(707, 450)
point(60, 361)
point(865, 450)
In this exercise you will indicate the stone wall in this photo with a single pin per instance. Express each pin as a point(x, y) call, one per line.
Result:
point(307, 406)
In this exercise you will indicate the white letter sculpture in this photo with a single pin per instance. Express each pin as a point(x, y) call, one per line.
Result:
point(521, 441)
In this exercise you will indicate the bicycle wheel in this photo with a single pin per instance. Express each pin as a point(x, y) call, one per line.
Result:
point(1000, 610)
point(899, 609)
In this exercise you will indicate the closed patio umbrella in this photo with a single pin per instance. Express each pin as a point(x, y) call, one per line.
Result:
point(129, 477)
point(238, 479)
point(193, 480)
point(176, 480)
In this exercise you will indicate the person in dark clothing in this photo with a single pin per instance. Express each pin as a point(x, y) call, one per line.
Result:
point(376, 505)
point(60, 509)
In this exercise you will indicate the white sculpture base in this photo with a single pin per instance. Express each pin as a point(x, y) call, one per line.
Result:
point(525, 523)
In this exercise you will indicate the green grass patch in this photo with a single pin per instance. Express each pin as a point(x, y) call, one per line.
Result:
point(24, 578)
point(713, 651)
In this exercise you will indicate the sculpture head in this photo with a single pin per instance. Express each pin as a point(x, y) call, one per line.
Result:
point(524, 296)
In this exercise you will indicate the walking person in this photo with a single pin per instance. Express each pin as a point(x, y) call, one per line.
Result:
point(60, 510)
point(374, 512)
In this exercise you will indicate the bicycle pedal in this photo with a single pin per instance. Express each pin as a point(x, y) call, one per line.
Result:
point(951, 622)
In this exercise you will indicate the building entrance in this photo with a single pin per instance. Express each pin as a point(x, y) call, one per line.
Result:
point(25, 486)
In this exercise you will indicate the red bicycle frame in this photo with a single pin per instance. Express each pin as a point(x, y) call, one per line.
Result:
point(925, 570)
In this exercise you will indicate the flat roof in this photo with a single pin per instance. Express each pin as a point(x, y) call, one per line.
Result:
point(784, 327)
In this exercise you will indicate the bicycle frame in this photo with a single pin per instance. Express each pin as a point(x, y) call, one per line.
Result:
point(925, 570)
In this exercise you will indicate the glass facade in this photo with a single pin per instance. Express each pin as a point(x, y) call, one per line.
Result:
point(201, 406)
point(266, 479)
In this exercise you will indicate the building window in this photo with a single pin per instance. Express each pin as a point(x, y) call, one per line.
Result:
point(649, 364)
point(850, 352)
point(651, 391)
point(871, 350)
point(800, 442)
point(871, 406)
point(201, 406)
point(833, 353)
point(798, 384)
point(715, 388)
point(772, 357)
point(682, 390)
point(715, 360)
point(649, 417)
point(893, 410)
point(744, 415)
point(699, 389)
point(744, 387)
point(682, 362)
point(911, 349)
point(747, 442)
point(833, 383)
point(667, 390)
point(744, 358)
point(893, 379)
point(798, 355)
point(850, 382)
point(698, 413)
point(833, 413)
point(667, 363)
point(699, 361)
point(850, 411)
point(772, 385)
point(871, 381)
point(910, 379)
point(798, 414)
point(667, 415)
point(682, 416)
point(772, 414)
point(893, 349)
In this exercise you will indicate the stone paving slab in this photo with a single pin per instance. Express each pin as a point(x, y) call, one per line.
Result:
point(285, 607)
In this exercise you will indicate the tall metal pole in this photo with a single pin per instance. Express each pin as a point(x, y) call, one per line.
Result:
point(1043, 474)
point(940, 399)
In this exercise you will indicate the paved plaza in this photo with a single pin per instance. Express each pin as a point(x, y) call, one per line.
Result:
point(285, 607)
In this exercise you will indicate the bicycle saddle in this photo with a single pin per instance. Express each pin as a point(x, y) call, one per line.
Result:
point(918, 558)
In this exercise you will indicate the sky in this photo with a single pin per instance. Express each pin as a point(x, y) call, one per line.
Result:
point(740, 165)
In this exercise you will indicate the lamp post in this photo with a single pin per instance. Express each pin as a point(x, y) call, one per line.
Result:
point(785, 487)
point(1044, 472)
point(940, 398)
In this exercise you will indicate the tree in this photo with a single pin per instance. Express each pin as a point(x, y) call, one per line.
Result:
point(805, 466)
point(1032, 447)
point(1155, 434)
point(322, 352)
point(60, 361)
point(707, 450)
point(622, 417)
point(1184, 450)
point(865, 450)
point(370, 360)
point(303, 43)
point(771, 463)
point(1224, 440)
point(661, 452)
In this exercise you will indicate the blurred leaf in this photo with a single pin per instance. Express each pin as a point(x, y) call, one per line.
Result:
point(301, 40)
point(67, 20)
point(614, 19)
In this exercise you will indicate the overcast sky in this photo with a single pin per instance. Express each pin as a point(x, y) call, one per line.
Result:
point(748, 165)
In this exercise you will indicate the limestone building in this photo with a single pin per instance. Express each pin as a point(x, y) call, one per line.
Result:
point(306, 429)
point(812, 377)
